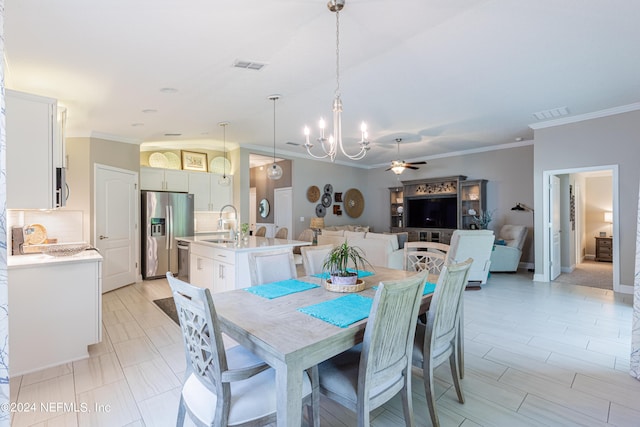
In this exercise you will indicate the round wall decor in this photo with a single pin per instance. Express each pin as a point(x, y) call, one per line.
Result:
point(313, 194)
point(353, 202)
point(326, 200)
point(321, 211)
point(328, 188)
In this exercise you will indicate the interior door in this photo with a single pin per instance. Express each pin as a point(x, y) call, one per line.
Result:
point(554, 214)
point(116, 207)
point(282, 207)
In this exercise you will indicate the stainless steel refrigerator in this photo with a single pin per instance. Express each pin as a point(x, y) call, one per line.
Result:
point(165, 217)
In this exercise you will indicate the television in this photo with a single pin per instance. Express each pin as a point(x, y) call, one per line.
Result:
point(432, 212)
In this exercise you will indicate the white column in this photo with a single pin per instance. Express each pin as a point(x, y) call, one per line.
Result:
point(635, 333)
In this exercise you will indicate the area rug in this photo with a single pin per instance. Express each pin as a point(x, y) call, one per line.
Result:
point(169, 307)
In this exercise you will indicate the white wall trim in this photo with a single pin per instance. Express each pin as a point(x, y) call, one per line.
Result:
point(587, 116)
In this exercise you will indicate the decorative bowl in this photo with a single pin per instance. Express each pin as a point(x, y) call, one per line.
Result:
point(359, 286)
point(64, 249)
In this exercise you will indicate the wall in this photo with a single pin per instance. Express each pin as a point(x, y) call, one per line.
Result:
point(82, 154)
point(264, 186)
point(602, 141)
point(509, 173)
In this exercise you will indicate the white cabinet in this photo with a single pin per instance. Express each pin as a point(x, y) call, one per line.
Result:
point(156, 179)
point(31, 126)
point(212, 268)
point(56, 312)
point(208, 194)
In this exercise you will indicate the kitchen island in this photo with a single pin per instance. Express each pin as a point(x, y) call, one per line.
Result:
point(222, 265)
point(55, 306)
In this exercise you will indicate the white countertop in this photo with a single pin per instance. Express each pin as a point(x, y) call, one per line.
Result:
point(254, 243)
point(30, 260)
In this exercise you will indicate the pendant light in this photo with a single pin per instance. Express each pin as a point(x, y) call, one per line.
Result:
point(274, 172)
point(224, 180)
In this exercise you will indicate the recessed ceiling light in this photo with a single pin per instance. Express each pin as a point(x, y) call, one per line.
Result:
point(137, 124)
point(168, 90)
point(149, 111)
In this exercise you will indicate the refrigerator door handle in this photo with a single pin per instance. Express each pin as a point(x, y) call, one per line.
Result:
point(171, 227)
point(167, 231)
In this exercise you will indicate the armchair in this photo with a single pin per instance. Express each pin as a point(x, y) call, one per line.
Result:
point(506, 257)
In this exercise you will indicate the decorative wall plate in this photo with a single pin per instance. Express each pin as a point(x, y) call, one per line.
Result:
point(326, 200)
point(321, 211)
point(353, 202)
point(337, 197)
point(313, 194)
point(328, 188)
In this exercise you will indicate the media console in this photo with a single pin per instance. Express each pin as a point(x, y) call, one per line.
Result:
point(431, 209)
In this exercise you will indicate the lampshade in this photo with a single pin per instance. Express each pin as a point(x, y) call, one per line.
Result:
point(608, 217)
point(316, 223)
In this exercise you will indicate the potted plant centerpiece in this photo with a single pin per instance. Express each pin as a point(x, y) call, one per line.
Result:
point(337, 265)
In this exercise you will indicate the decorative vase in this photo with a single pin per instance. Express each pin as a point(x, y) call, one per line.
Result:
point(351, 279)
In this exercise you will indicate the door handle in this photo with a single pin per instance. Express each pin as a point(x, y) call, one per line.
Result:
point(103, 237)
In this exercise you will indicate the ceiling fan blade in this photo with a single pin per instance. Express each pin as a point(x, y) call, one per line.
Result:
point(388, 169)
point(417, 163)
point(411, 167)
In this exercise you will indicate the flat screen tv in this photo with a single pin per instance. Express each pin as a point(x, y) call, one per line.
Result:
point(432, 212)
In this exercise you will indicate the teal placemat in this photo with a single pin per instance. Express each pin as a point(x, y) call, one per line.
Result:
point(361, 273)
point(429, 288)
point(342, 311)
point(281, 288)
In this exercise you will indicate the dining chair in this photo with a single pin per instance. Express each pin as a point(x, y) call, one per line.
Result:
point(421, 256)
point(313, 258)
point(271, 266)
point(437, 340)
point(282, 233)
point(261, 231)
point(369, 374)
point(224, 387)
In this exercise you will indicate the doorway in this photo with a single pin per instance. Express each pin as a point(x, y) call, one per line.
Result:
point(581, 221)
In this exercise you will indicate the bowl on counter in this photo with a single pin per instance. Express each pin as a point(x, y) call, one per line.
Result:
point(64, 249)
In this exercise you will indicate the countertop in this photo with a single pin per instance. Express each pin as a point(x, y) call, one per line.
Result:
point(253, 244)
point(31, 260)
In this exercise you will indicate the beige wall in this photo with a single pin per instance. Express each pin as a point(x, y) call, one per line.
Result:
point(83, 154)
point(265, 187)
point(592, 143)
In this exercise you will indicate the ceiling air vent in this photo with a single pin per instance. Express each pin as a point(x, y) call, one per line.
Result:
point(553, 113)
point(250, 65)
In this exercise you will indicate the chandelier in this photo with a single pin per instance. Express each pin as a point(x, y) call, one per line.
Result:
point(330, 145)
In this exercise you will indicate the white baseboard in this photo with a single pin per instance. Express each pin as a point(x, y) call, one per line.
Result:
point(625, 289)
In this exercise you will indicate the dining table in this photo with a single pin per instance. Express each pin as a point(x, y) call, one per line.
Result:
point(292, 341)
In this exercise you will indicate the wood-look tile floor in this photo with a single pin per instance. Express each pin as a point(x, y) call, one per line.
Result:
point(536, 354)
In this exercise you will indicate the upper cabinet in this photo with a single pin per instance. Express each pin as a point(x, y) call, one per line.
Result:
point(33, 152)
point(208, 194)
point(156, 179)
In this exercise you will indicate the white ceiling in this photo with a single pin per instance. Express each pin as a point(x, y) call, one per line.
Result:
point(444, 75)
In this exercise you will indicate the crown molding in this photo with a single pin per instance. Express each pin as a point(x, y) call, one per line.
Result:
point(587, 116)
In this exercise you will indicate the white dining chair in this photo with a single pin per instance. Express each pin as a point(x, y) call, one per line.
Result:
point(421, 256)
point(438, 340)
point(370, 374)
point(224, 387)
point(271, 266)
point(313, 258)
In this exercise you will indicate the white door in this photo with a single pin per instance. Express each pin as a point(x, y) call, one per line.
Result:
point(554, 214)
point(282, 207)
point(116, 213)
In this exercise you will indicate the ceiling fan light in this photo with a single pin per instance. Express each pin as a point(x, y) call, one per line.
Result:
point(397, 169)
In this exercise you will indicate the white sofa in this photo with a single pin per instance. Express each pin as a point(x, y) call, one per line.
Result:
point(381, 250)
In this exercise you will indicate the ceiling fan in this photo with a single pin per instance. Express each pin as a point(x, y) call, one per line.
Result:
point(398, 166)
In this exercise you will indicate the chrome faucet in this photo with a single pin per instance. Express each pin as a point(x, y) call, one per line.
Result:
point(232, 233)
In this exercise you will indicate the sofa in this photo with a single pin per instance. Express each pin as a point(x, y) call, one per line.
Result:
point(381, 250)
point(507, 249)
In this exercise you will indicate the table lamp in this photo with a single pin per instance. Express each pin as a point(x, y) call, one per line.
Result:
point(316, 225)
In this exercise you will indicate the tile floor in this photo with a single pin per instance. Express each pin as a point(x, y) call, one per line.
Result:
point(536, 354)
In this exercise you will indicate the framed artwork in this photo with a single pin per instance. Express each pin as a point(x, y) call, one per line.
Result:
point(193, 161)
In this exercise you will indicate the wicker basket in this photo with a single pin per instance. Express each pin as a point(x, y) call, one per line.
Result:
point(359, 286)
point(64, 249)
